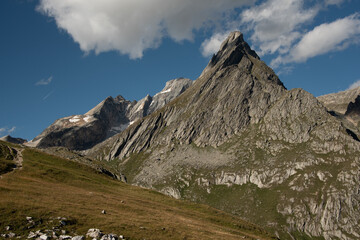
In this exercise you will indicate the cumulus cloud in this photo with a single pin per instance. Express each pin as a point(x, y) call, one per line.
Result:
point(275, 24)
point(354, 85)
point(130, 26)
point(44, 81)
point(324, 38)
point(212, 45)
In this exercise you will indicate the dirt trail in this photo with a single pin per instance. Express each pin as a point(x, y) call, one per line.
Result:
point(18, 160)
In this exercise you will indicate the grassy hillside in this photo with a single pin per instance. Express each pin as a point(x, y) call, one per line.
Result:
point(48, 187)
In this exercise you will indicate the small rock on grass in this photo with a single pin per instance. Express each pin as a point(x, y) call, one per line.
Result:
point(110, 236)
point(94, 233)
point(65, 237)
point(78, 238)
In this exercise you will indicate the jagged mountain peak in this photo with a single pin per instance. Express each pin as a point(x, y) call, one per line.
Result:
point(235, 42)
point(231, 52)
point(235, 53)
point(120, 98)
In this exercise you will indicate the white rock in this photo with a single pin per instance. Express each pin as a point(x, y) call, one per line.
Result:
point(94, 233)
point(78, 238)
point(32, 235)
point(44, 237)
point(65, 237)
point(110, 236)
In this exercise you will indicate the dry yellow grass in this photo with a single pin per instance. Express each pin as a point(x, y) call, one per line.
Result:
point(49, 186)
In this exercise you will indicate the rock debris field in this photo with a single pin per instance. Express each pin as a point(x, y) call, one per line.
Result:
point(55, 230)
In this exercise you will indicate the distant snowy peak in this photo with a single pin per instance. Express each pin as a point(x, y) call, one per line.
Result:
point(109, 117)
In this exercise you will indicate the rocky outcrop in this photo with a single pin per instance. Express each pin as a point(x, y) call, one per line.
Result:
point(57, 231)
point(346, 107)
point(172, 89)
point(237, 140)
point(111, 116)
point(353, 108)
point(11, 158)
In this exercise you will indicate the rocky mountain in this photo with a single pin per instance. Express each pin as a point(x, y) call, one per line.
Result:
point(345, 106)
point(238, 140)
point(111, 116)
point(353, 108)
point(338, 102)
point(11, 139)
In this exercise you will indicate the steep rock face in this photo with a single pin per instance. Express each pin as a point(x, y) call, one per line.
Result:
point(346, 106)
point(338, 102)
point(239, 141)
point(353, 108)
point(111, 116)
point(140, 109)
point(172, 89)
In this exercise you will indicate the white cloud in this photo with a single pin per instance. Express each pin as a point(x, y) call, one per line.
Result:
point(324, 38)
point(44, 81)
point(12, 130)
point(7, 130)
point(212, 45)
point(333, 2)
point(47, 95)
point(130, 26)
point(275, 24)
point(354, 85)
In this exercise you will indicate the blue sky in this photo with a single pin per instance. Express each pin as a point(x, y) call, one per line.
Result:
point(62, 57)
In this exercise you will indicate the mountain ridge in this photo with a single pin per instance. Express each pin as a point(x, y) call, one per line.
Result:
point(109, 117)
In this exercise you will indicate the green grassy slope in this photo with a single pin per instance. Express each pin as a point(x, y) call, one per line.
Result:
point(48, 187)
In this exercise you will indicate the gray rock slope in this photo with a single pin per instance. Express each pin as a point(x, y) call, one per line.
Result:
point(345, 106)
point(111, 116)
point(237, 140)
point(338, 102)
